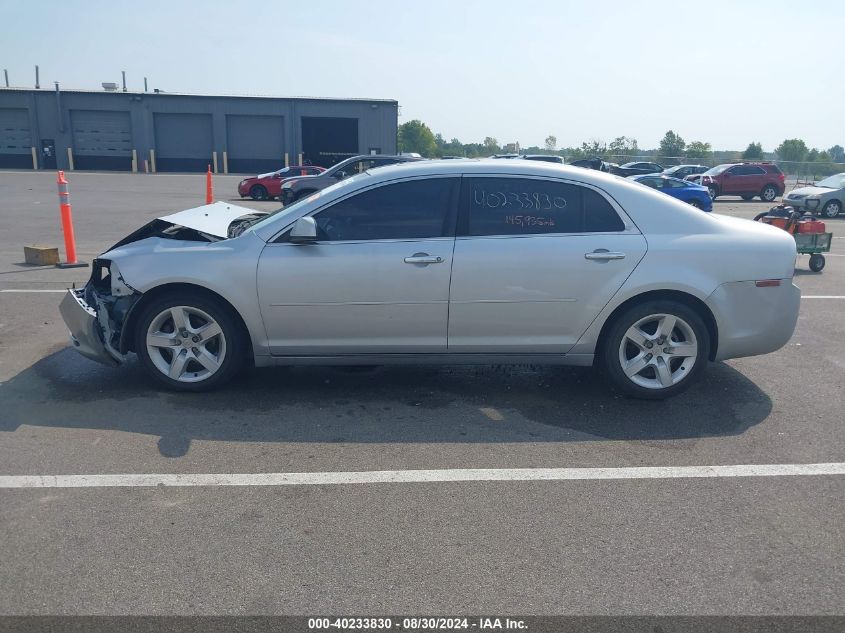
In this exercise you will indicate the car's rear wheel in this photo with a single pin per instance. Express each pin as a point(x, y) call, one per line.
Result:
point(832, 209)
point(769, 193)
point(655, 350)
point(189, 342)
point(258, 192)
point(712, 191)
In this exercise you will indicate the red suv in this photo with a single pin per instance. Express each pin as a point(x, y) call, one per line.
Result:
point(746, 180)
point(266, 186)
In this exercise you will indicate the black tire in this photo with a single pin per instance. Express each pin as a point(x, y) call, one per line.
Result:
point(817, 262)
point(258, 192)
point(713, 191)
point(768, 193)
point(609, 348)
point(760, 216)
point(234, 340)
point(694, 203)
point(832, 208)
point(747, 198)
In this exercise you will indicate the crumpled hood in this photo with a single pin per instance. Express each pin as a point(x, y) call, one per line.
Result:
point(803, 192)
point(213, 219)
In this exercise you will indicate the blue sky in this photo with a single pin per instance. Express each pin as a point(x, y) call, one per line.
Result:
point(724, 72)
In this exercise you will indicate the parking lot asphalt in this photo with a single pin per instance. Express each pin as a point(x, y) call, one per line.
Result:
point(727, 545)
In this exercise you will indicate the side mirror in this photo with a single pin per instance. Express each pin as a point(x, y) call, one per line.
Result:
point(304, 231)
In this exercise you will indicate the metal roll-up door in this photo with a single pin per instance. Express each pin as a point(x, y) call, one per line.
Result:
point(255, 144)
point(102, 139)
point(15, 138)
point(183, 141)
point(328, 140)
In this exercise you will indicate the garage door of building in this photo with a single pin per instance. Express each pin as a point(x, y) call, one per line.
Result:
point(255, 144)
point(184, 142)
point(102, 139)
point(328, 140)
point(15, 138)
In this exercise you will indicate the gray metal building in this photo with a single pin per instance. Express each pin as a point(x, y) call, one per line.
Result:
point(138, 131)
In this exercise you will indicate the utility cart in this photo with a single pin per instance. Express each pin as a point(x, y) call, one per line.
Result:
point(809, 233)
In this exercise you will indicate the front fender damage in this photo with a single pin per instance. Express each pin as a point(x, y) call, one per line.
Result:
point(112, 298)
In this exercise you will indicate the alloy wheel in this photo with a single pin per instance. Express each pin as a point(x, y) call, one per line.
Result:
point(186, 344)
point(658, 351)
point(832, 209)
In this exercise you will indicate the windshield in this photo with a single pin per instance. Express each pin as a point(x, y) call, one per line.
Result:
point(292, 209)
point(718, 169)
point(837, 181)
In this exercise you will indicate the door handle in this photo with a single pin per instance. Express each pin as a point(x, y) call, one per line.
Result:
point(423, 258)
point(604, 255)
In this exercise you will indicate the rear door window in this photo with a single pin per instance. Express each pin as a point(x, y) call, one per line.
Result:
point(528, 206)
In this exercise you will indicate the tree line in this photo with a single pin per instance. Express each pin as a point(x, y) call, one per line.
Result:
point(416, 136)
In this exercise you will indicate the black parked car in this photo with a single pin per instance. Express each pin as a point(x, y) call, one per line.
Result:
point(546, 158)
point(591, 163)
point(634, 169)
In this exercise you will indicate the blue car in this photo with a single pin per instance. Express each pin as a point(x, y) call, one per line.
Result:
point(694, 194)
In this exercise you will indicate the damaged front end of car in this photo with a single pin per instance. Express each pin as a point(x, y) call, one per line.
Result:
point(96, 314)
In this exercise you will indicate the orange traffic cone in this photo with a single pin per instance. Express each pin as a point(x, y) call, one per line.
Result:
point(209, 191)
point(67, 224)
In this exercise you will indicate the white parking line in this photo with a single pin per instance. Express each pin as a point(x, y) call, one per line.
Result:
point(823, 297)
point(417, 476)
point(32, 290)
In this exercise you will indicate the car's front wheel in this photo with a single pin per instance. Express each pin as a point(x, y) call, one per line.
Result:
point(832, 209)
point(258, 192)
point(655, 350)
point(189, 342)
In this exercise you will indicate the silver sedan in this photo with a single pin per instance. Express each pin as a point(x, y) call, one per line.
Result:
point(444, 262)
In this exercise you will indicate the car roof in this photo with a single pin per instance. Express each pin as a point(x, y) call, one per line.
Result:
point(493, 166)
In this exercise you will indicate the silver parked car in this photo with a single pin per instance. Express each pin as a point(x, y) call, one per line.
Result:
point(826, 197)
point(447, 262)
